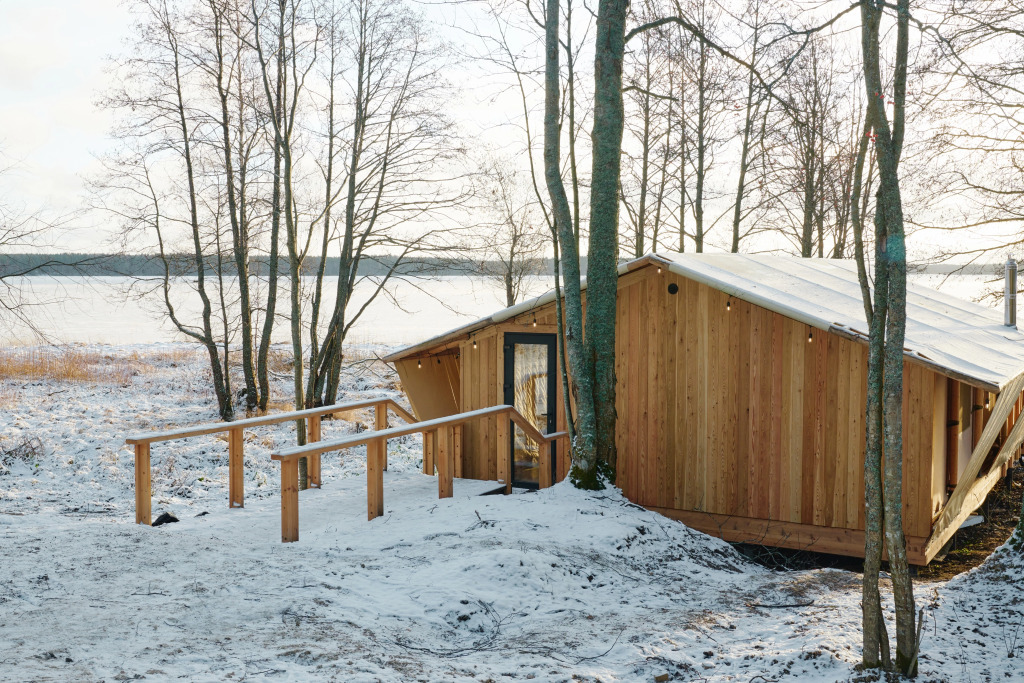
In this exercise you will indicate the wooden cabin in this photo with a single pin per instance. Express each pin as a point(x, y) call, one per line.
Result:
point(741, 386)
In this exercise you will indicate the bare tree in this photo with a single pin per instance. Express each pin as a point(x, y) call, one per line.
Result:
point(164, 126)
point(23, 234)
point(514, 226)
point(401, 150)
point(885, 355)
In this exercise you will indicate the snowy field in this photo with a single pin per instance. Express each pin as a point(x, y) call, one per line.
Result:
point(557, 586)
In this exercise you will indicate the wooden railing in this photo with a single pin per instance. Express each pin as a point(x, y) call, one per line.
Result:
point(441, 430)
point(235, 431)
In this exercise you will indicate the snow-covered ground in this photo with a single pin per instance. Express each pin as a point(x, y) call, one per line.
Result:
point(555, 586)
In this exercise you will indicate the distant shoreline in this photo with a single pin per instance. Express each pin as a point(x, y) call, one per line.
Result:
point(143, 265)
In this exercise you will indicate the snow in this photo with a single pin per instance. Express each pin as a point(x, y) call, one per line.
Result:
point(558, 585)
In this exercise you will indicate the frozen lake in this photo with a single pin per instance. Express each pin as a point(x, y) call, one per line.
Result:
point(112, 310)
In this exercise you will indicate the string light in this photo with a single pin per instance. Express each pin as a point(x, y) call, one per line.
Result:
point(728, 305)
point(535, 321)
point(810, 335)
point(474, 343)
point(419, 363)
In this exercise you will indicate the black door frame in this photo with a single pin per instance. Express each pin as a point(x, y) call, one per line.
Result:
point(539, 338)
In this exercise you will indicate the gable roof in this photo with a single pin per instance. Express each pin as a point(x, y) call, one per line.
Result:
point(958, 338)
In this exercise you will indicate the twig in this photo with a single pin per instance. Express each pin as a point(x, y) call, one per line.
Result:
point(792, 604)
point(616, 642)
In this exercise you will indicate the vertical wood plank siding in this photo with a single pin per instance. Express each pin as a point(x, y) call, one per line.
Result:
point(725, 408)
point(731, 410)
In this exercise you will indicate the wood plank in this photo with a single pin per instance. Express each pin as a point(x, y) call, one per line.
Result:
point(959, 508)
point(829, 483)
point(143, 485)
point(838, 541)
point(795, 407)
point(790, 479)
point(775, 417)
point(857, 436)
point(313, 470)
point(716, 422)
point(503, 451)
point(289, 501)
point(937, 485)
point(694, 363)
point(739, 316)
point(652, 428)
point(276, 418)
point(664, 331)
point(684, 431)
point(640, 338)
point(429, 447)
point(236, 469)
point(375, 478)
point(380, 423)
point(1004, 403)
point(633, 415)
point(821, 411)
point(705, 400)
point(755, 420)
point(445, 461)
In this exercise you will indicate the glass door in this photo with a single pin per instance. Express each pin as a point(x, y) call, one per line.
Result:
point(530, 374)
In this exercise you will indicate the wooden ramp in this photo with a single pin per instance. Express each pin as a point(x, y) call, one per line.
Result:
point(441, 438)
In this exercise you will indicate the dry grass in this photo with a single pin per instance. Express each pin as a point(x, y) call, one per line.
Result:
point(279, 361)
point(28, 449)
point(172, 357)
point(66, 365)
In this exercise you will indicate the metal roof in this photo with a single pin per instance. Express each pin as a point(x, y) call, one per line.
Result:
point(956, 337)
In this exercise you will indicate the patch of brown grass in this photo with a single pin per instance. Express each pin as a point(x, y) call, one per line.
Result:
point(279, 361)
point(66, 365)
point(176, 356)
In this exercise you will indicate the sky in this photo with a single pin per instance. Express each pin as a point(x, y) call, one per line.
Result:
point(54, 57)
point(52, 69)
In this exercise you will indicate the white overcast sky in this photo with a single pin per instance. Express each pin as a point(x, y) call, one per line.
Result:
point(52, 60)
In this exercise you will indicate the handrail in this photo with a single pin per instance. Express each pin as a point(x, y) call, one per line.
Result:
point(322, 447)
point(235, 430)
point(442, 432)
point(276, 418)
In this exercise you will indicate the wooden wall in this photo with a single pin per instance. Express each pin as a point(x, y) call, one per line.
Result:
point(464, 377)
point(732, 418)
point(730, 409)
point(431, 383)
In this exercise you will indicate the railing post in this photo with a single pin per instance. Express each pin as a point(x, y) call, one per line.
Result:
point(375, 478)
point(504, 456)
point(429, 448)
point(236, 469)
point(289, 500)
point(143, 485)
point(544, 477)
point(457, 451)
point(445, 460)
point(380, 422)
point(313, 461)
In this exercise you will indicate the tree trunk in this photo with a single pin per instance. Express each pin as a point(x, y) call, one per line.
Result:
point(584, 470)
point(603, 252)
point(890, 310)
